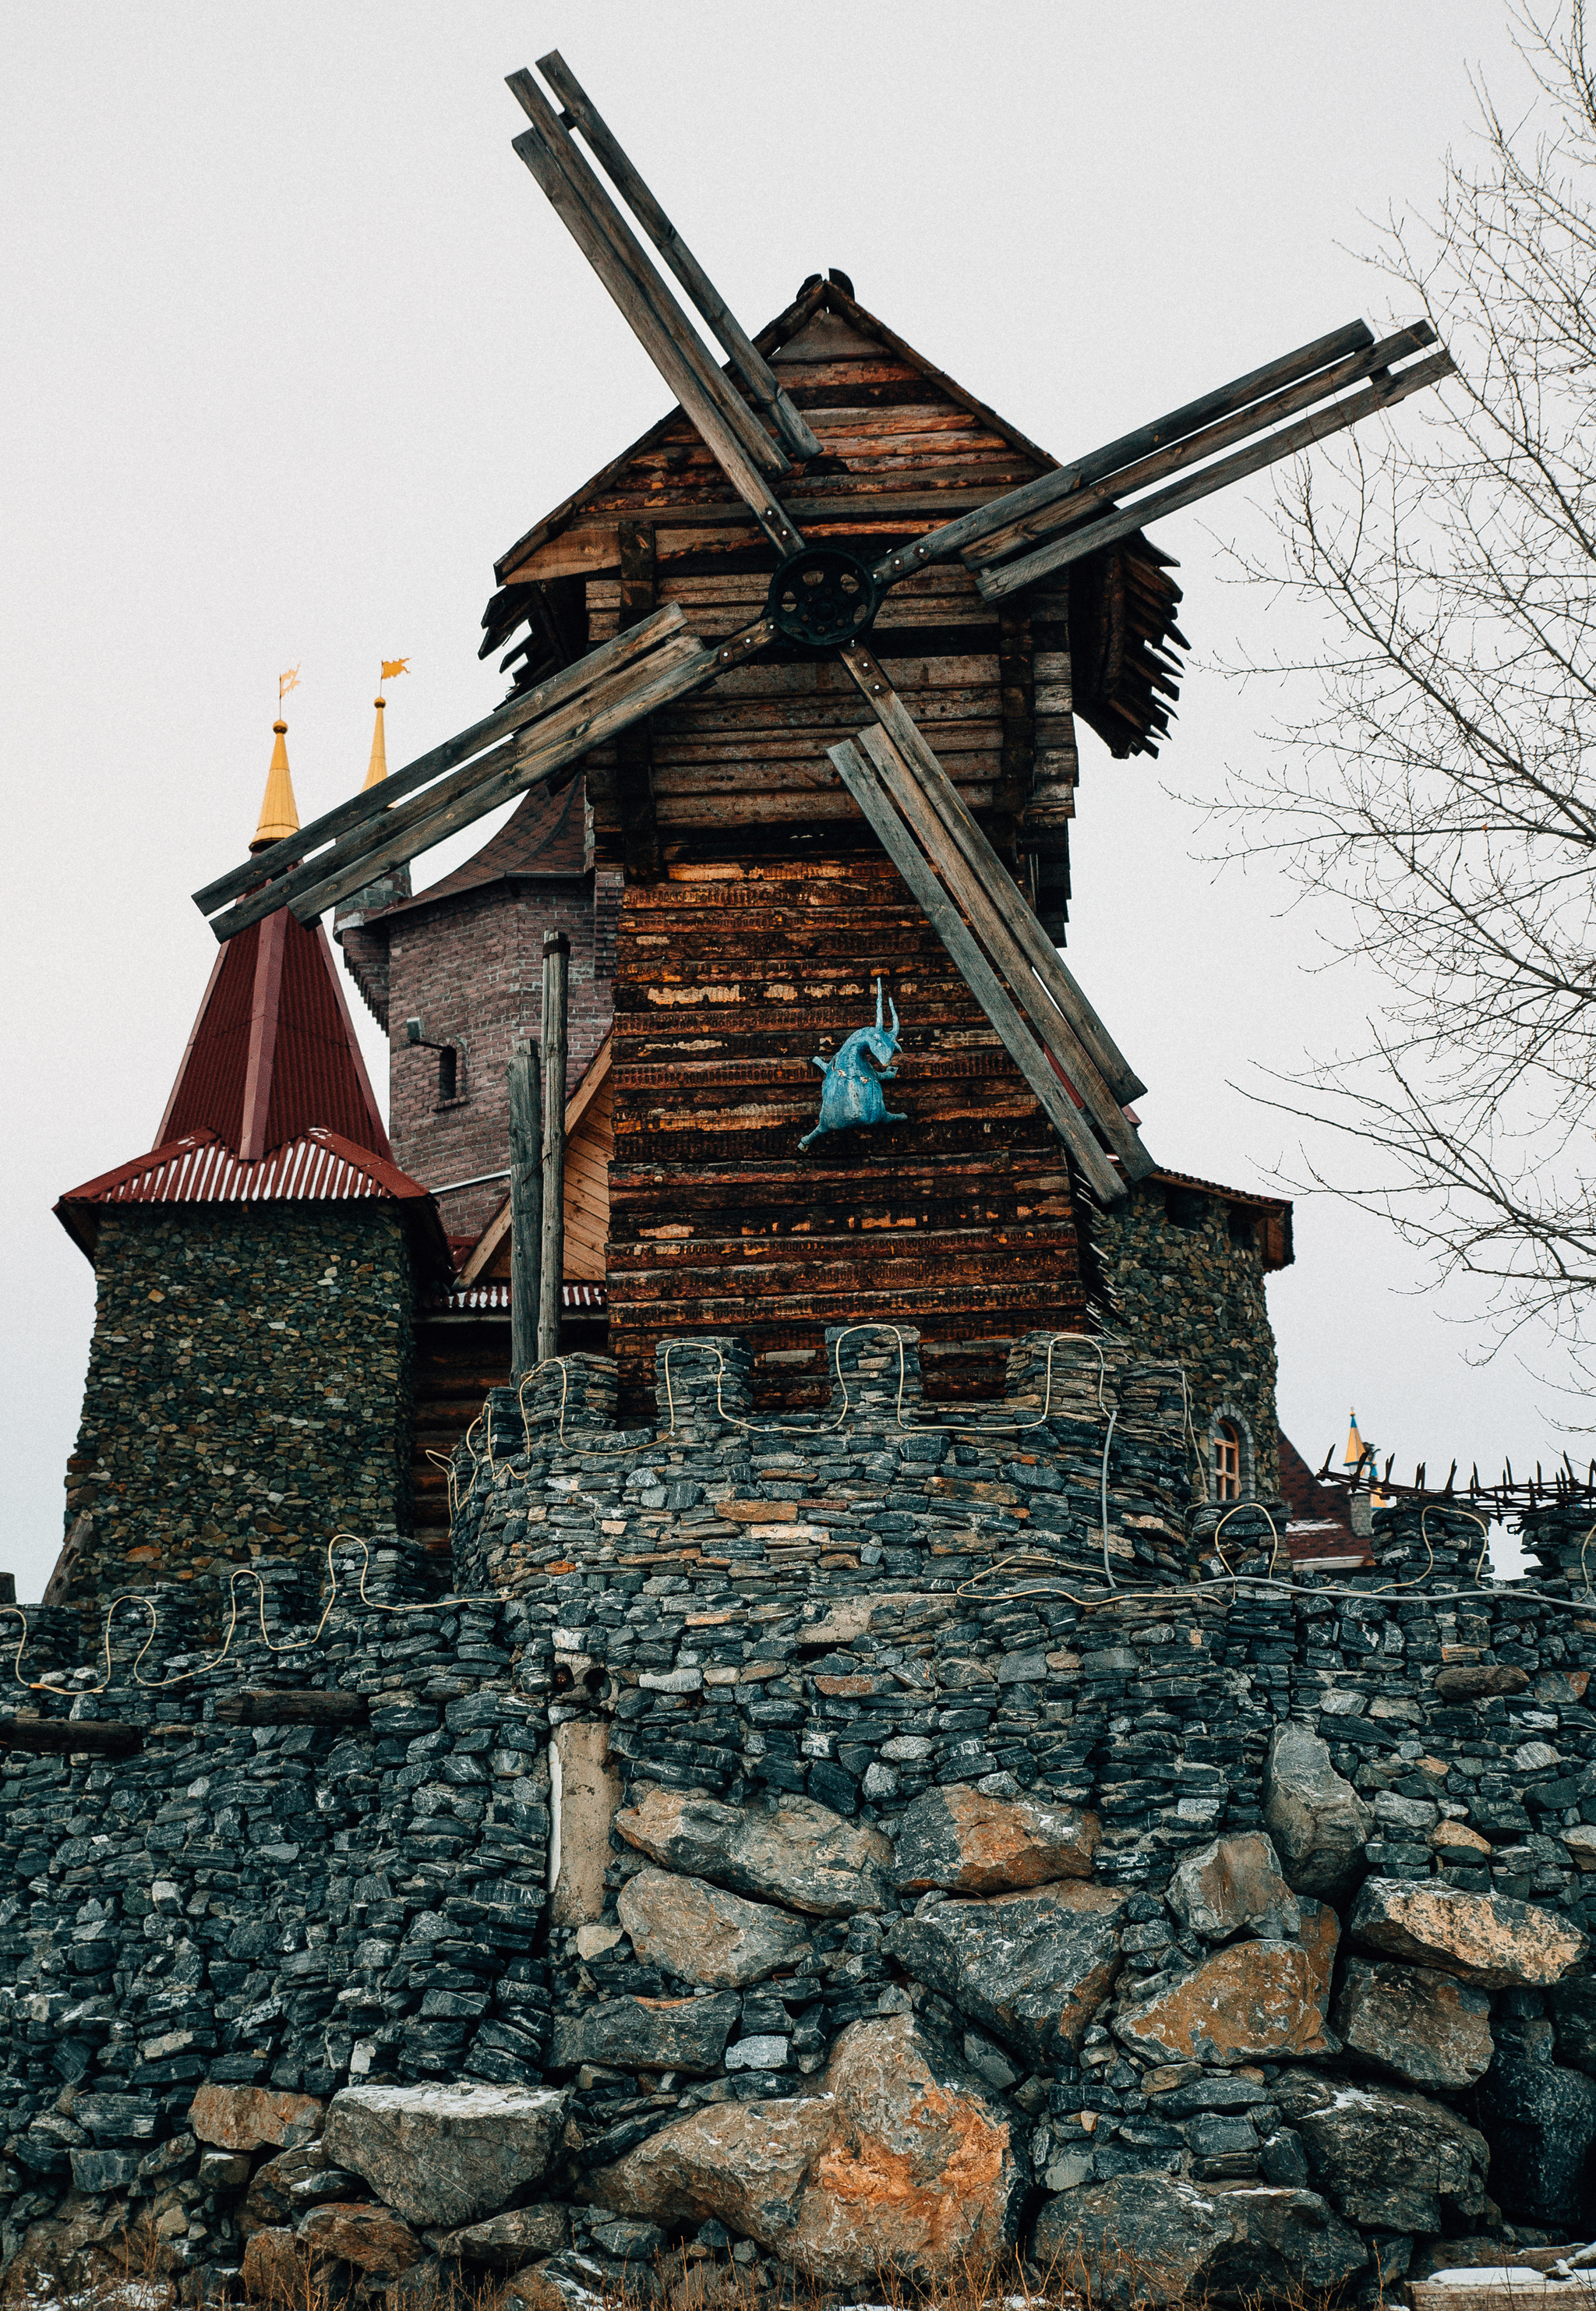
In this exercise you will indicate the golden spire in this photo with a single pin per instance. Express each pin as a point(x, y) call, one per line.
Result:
point(377, 769)
point(279, 812)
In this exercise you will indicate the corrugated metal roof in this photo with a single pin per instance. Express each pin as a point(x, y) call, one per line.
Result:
point(273, 1053)
point(316, 1167)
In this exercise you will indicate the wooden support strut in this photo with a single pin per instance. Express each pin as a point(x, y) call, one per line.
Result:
point(371, 807)
point(634, 752)
point(1075, 543)
point(539, 755)
point(266, 1704)
point(859, 778)
point(526, 1207)
point(556, 963)
point(889, 710)
point(59, 1737)
point(745, 356)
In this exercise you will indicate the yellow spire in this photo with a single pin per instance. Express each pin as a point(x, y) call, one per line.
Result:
point(1356, 1447)
point(377, 769)
point(279, 812)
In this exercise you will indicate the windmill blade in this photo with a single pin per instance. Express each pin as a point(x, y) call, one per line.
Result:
point(738, 444)
point(860, 778)
point(1095, 1051)
point(1379, 393)
point(649, 666)
point(1249, 403)
point(540, 754)
point(739, 348)
point(371, 804)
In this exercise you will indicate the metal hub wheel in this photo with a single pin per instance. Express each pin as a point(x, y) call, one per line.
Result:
point(823, 595)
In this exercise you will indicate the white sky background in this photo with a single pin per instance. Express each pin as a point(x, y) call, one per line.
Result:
point(294, 347)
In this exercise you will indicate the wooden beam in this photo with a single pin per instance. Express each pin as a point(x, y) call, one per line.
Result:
point(403, 822)
point(979, 897)
point(60, 1737)
point(1030, 528)
point(524, 1208)
point(745, 357)
point(368, 807)
point(719, 434)
point(552, 1048)
point(634, 752)
point(858, 776)
point(1044, 957)
point(1078, 543)
point(538, 757)
point(266, 1705)
point(1081, 471)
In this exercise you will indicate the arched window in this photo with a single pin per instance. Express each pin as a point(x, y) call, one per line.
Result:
point(1227, 1461)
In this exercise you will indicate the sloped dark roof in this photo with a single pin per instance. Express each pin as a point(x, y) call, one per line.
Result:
point(1318, 1520)
point(272, 1052)
point(546, 835)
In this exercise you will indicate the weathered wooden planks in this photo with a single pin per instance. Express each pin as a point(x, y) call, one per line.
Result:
point(291, 1705)
point(731, 972)
point(90, 1737)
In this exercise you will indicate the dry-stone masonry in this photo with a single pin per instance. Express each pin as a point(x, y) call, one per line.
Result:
point(784, 1846)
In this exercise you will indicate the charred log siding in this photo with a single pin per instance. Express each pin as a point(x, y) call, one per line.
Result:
point(960, 1221)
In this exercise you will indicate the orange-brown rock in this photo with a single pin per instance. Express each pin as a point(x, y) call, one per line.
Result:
point(275, 2267)
point(372, 2238)
point(903, 2162)
point(1255, 2002)
point(1235, 1886)
point(246, 2118)
point(968, 1842)
point(702, 1933)
point(1485, 1938)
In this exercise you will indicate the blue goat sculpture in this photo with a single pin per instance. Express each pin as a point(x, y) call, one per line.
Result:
point(851, 1092)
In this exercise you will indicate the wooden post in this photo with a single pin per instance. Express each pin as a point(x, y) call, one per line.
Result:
point(634, 749)
point(526, 1207)
point(556, 958)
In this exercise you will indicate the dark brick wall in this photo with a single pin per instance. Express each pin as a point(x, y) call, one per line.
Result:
point(472, 970)
point(249, 1388)
point(1195, 1294)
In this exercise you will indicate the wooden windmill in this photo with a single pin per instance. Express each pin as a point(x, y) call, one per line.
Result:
point(823, 591)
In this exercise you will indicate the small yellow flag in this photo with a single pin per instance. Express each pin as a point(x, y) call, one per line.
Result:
point(287, 682)
point(394, 665)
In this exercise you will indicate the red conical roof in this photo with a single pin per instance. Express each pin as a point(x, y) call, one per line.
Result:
point(273, 1052)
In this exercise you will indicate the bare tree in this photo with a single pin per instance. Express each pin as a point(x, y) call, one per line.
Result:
point(1438, 766)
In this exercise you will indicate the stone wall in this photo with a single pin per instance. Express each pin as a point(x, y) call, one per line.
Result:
point(471, 970)
point(248, 1388)
point(1239, 1923)
point(1196, 1293)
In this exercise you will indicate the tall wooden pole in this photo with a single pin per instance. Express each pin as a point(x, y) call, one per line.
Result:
point(526, 1206)
point(556, 959)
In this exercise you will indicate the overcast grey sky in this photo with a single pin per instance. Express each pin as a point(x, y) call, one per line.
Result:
point(294, 347)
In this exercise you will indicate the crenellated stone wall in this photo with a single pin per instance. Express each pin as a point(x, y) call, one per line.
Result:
point(780, 1806)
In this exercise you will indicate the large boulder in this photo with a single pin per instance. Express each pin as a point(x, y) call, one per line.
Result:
point(968, 1842)
point(1154, 2239)
point(1032, 1967)
point(1319, 1823)
point(1235, 1886)
point(1388, 2161)
point(796, 1852)
point(1425, 2027)
point(702, 1933)
point(1254, 2002)
point(252, 2119)
point(903, 2162)
point(1485, 1938)
point(1540, 2121)
point(445, 2154)
point(646, 2034)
